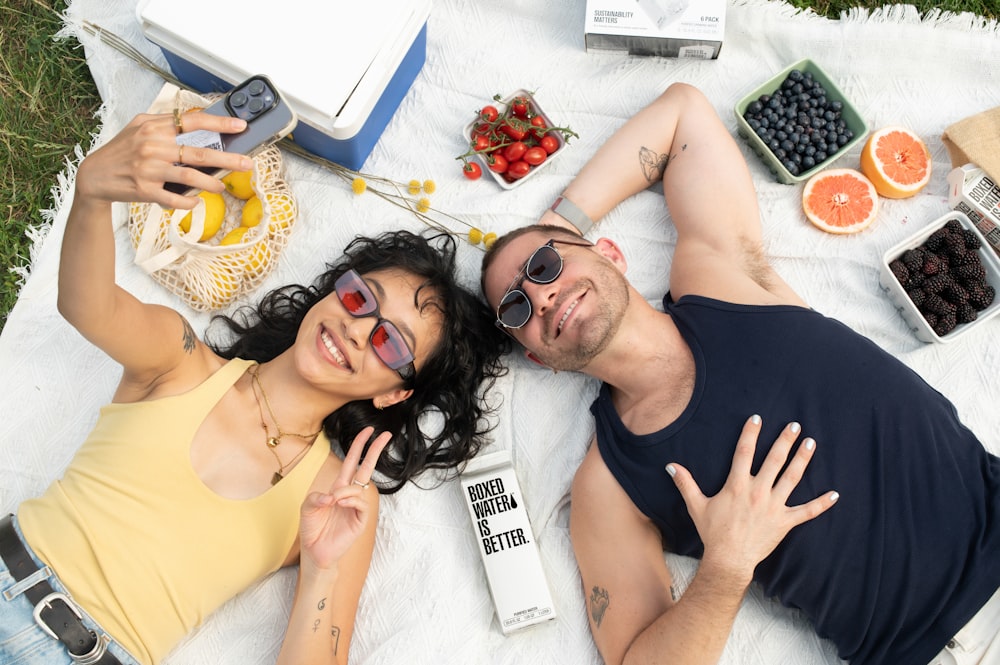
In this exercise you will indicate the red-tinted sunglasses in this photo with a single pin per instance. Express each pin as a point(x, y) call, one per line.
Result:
point(388, 342)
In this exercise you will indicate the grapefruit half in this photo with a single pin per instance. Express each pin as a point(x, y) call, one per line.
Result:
point(840, 201)
point(897, 162)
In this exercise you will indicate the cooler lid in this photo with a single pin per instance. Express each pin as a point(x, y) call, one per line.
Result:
point(316, 53)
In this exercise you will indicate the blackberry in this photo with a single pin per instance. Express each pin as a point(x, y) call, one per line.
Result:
point(981, 295)
point(932, 264)
point(945, 324)
point(930, 317)
point(955, 245)
point(970, 272)
point(917, 296)
point(936, 240)
point(937, 283)
point(938, 305)
point(913, 259)
point(899, 271)
point(969, 259)
point(966, 313)
point(954, 293)
point(971, 239)
point(953, 225)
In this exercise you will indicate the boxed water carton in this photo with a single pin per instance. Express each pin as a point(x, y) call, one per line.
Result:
point(507, 545)
point(343, 66)
point(973, 192)
point(671, 28)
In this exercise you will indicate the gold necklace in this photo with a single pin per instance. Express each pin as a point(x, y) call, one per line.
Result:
point(272, 441)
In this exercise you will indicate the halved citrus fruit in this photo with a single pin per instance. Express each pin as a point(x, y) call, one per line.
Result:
point(897, 162)
point(840, 201)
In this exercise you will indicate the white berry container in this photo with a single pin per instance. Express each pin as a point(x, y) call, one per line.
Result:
point(501, 105)
point(902, 301)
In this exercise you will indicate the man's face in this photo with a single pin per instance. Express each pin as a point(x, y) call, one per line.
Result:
point(574, 317)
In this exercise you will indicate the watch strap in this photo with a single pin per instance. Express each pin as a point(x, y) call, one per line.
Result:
point(572, 214)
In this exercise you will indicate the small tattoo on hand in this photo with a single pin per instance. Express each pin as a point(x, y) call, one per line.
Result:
point(321, 604)
point(599, 601)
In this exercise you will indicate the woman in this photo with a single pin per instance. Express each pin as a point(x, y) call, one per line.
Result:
point(212, 465)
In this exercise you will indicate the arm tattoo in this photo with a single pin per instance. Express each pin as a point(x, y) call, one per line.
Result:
point(335, 639)
point(321, 604)
point(188, 336)
point(599, 602)
point(652, 165)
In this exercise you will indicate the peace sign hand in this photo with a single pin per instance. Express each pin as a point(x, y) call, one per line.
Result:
point(742, 524)
point(330, 522)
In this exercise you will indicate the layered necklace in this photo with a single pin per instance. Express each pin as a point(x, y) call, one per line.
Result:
point(272, 442)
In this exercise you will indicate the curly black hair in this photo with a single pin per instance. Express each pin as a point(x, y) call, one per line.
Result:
point(452, 384)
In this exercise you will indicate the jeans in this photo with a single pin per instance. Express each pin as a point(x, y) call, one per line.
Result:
point(22, 641)
point(978, 643)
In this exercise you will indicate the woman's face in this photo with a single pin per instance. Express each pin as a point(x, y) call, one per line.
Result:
point(333, 348)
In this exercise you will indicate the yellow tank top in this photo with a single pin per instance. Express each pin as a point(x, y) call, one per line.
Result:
point(140, 542)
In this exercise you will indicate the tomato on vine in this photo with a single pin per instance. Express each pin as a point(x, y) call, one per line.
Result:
point(519, 106)
point(518, 169)
point(535, 155)
point(489, 113)
point(549, 144)
point(472, 170)
point(497, 162)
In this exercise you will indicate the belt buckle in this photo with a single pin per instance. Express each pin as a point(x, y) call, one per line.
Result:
point(101, 646)
point(46, 603)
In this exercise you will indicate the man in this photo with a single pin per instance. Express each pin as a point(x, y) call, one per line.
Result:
point(894, 572)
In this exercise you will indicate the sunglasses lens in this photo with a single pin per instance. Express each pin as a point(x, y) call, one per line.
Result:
point(390, 346)
point(514, 310)
point(354, 294)
point(544, 265)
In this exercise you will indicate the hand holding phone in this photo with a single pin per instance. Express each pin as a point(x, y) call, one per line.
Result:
point(268, 117)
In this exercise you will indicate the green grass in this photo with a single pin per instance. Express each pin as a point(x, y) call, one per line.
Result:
point(48, 101)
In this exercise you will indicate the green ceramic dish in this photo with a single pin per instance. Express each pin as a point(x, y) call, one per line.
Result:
point(850, 114)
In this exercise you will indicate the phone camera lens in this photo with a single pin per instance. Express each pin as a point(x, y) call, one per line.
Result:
point(256, 105)
point(238, 99)
point(255, 87)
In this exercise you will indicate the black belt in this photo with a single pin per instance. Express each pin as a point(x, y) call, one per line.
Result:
point(55, 613)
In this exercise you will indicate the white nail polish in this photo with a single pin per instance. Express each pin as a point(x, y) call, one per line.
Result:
point(795, 427)
point(834, 496)
point(809, 444)
point(671, 469)
point(755, 419)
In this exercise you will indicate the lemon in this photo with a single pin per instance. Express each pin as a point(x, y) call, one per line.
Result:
point(253, 212)
point(258, 261)
point(215, 213)
point(226, 285)
point(238, 184)
point(235, 236)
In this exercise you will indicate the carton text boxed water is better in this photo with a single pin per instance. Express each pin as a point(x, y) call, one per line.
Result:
point(506, 543)
point(671, 28)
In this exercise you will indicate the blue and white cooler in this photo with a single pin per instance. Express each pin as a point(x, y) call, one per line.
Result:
point(343, 66)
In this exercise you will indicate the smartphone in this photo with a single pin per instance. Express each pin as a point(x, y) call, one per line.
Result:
point(268, 116)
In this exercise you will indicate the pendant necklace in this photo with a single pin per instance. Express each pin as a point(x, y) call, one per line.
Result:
point(272, 442)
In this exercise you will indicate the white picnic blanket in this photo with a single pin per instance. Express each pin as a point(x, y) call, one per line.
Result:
point(426, 599)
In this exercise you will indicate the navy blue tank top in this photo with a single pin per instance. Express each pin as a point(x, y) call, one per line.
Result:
point(911, 550)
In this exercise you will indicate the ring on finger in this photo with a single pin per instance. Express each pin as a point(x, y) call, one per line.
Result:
point(180, 153)
point(178, 121)
point(360, 484)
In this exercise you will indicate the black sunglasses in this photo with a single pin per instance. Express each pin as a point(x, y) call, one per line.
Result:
point(543, 267)
point(387, 341)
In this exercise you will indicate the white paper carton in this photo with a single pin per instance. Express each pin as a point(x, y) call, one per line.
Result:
point(506, 543)
point(973, 192)
point(671, 28)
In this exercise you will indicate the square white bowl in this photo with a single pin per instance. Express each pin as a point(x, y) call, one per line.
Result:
point(505, 102)
point(909, 310)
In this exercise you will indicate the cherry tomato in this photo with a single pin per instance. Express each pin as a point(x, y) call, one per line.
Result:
point(515, 151)
point(518, 169)
point(549, 144)
point(519, 106)
point(481, 128)
point(472, 170)
point(497, 162)
point(514, 130)
point(535, 155)
point(489, 113)
point(538, 126)
point(480, 142)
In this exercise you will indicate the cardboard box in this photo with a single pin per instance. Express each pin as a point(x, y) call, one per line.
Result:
point(343, 67)
point(670, 28)
point(974, 193)
point(506, 543)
